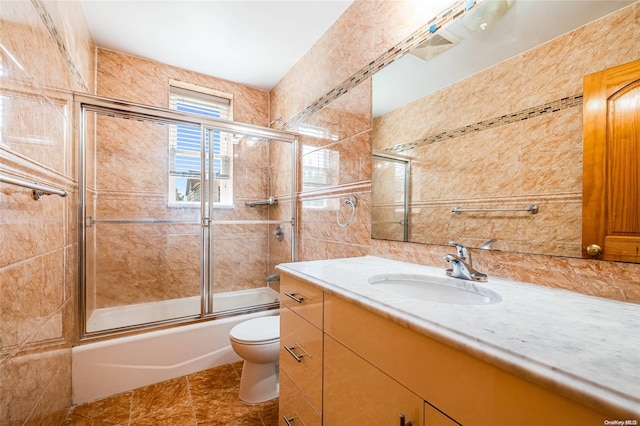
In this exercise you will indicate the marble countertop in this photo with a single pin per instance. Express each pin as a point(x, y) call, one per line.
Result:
point(585, 348)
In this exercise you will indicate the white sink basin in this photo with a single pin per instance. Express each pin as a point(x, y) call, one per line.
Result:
point(435, 289)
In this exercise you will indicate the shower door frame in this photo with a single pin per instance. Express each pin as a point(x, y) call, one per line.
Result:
point(84, 103)
point(406, 161)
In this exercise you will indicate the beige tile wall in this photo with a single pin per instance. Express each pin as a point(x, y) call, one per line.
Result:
point(558, 69)
point(38, 243)
point(139, 80)
point(139, 263)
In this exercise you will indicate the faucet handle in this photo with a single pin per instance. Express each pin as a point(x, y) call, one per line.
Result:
point(463, 253)
point(488, 244)
point(451, 258)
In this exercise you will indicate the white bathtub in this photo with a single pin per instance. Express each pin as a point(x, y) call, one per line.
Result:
point(108, 367)
point(142, 313)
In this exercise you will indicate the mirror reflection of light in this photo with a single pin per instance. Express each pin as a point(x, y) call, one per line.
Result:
point(317, 132)
point(430, 9)
point(15, 61)
point(594, 105)
point(629, 103)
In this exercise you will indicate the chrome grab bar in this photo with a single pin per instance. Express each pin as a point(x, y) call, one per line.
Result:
point(533, 209)
point(271, 201)
point(38, 190)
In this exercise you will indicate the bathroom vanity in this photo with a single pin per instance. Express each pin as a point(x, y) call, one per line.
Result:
point(354, 352)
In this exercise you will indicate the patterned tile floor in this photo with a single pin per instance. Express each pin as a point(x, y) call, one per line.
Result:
point(206, 398)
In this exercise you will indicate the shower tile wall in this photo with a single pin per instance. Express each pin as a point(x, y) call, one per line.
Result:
point(38, 242)
point(136, 187)
point(549, 73)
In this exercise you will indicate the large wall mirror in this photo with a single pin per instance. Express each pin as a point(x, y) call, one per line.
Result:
point(486, 117)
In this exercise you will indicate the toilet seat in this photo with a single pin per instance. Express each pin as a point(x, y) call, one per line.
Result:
point(257, 331)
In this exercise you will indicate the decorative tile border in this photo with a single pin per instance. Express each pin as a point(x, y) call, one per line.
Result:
point(53, 30)
point(399, 50)
point(537, 111)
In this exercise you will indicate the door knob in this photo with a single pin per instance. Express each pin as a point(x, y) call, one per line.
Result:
point(594, 250)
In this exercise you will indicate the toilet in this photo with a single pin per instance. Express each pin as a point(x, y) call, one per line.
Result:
point(257, 341)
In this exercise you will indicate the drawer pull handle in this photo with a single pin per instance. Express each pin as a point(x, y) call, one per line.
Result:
point(292, 353)
point(288, 421)
point(293, 296)
point(403, 422)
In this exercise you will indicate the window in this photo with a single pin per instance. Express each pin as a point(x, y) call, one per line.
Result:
point(319, 170)
point(184, 149)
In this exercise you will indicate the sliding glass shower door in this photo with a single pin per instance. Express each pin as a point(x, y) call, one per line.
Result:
point(166, 218)
point(143, 252)
point(390, 192)
point(254, 234)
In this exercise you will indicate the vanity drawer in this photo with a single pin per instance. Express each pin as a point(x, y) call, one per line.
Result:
point(294, 406)
point(302, 298)
point(466, 388)
point(301, 354)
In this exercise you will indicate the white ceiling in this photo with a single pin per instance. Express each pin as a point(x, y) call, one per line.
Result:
point(250, 42)
point(256, 42)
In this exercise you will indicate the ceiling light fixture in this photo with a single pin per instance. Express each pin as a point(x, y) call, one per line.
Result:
point(486, 14)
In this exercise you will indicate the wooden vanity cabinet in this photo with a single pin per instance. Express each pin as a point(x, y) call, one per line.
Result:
point(357, 393)
point(303, 299)
point(434, 417)
point(465, 388)
point(301, 353)
point(294, 405)
point(361, 368)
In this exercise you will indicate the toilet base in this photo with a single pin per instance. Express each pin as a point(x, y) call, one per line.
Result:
point(259, 382)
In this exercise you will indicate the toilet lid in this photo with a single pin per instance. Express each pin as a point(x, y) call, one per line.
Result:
point(257, 331)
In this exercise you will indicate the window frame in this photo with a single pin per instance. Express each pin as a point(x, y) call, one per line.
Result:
point(225, 185)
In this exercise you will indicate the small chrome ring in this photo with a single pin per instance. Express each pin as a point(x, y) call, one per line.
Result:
point(351, 201)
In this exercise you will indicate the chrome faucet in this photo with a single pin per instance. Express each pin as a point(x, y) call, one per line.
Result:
point(273, 277)
point(462, 267)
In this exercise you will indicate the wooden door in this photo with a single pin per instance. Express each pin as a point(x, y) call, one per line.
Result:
point(611, 164)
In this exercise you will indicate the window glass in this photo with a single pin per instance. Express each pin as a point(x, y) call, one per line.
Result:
point(184, 149)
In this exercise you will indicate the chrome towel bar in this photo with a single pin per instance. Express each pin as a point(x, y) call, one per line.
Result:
point(533, 209)
point(38, 190)
point(90, 221)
